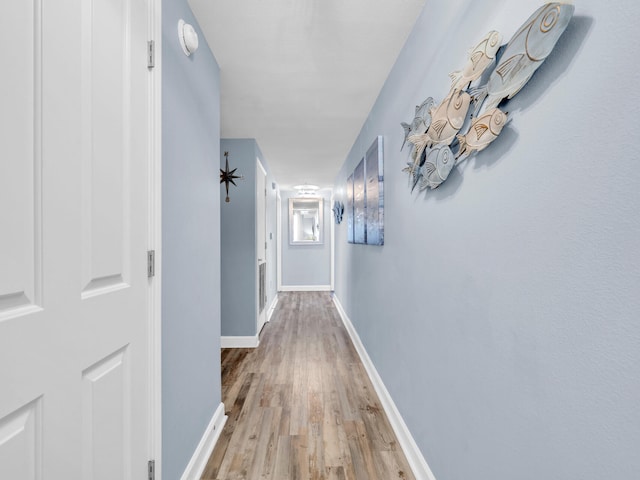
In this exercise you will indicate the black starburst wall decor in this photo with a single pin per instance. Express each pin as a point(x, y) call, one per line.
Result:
point(228, 176)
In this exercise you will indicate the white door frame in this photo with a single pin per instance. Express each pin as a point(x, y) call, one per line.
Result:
point(261, 197)
point(155, 239)
point(333, 244)
point(279, 241)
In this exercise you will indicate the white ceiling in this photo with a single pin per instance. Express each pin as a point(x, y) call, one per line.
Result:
point(300, 76)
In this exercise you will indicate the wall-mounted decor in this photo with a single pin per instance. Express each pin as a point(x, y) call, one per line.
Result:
point(228, 176)
point(420, 122)
point(484, 130)
point(479, 59)
point(447, 134)
point(374, 193)
point(525, 52)
point(359, 225)
point(305, 220)
point(365, 198)
point(436, 167)
point(338, 211)
point(350, 209)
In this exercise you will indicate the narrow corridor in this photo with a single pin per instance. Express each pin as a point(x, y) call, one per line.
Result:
point(301, 405)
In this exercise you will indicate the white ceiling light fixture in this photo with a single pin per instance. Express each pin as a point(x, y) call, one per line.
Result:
point(188, 37)
point(306, 190)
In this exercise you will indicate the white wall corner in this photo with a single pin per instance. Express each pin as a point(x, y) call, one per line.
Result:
point(305, 288)
point(200, 457)
point(240, 342)
point(418, 464)
point(272, 307)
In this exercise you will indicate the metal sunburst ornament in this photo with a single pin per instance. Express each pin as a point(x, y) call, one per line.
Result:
point(228, 176)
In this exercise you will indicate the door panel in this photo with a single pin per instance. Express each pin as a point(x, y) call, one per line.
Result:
point(106, 107)
point(20, 166)
point(20, 443)
point(105, 391)
point(74, 222)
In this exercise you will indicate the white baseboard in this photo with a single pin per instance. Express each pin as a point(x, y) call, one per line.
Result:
point(198, 461)
point(272, 307)
point(305, 288)
point(414, 456)
point(240, 342)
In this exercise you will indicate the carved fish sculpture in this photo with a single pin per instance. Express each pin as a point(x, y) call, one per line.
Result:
point(421, 121)
point(484, 130)
point(480, 58)
point(437, 167)
point(338, 211)
point(525, 52)
point(446, 121)
point(415, 174)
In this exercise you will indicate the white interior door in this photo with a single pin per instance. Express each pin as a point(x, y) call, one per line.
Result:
point(261, 241)
point(74, 160)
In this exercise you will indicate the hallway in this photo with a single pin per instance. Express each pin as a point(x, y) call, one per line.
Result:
point(301, 406)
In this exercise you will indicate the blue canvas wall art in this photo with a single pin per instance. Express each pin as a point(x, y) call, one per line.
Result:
point(374, 194)
point(359, 205)
point(365, 198)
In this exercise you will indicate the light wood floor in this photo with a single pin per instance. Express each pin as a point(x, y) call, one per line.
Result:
point(301, 405)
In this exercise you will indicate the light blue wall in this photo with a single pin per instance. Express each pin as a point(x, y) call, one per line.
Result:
point(306, 265)
point(502, 311)
point(191, 389)
point(238, 239)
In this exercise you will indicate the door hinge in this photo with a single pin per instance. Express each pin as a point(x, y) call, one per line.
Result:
point(151, 54)
point(151, 263)
point(151, 470)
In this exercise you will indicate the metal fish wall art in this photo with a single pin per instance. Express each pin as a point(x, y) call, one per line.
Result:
point(446, 121)
point(420, 122)
point(414, 169)
point(449, 128)
point(484, 130)
point(338, 211)
point(525, 52)
point(437, 167)
point(415, 174)
point(480, 58)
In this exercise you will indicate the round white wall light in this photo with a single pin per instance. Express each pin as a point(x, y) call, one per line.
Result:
point(188, 37)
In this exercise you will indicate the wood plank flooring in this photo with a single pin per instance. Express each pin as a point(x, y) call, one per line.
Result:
point(301, 406)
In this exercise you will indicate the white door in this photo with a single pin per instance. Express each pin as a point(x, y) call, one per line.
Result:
point(261, 241)
point(74, 218)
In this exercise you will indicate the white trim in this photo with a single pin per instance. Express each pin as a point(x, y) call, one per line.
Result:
point(240, 342)
point(154, 235)
point(199, 459)
point(305, 288)
point(333, 244)
point(261, 248)
point(263, 170)
point(272, 307)
point(20, 311)
point(279, 241)
point(416, 461)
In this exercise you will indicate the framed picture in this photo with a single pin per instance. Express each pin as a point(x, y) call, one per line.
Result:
point(359, 205)
point(365, 198)
point(374, 194)
point(349, 211)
